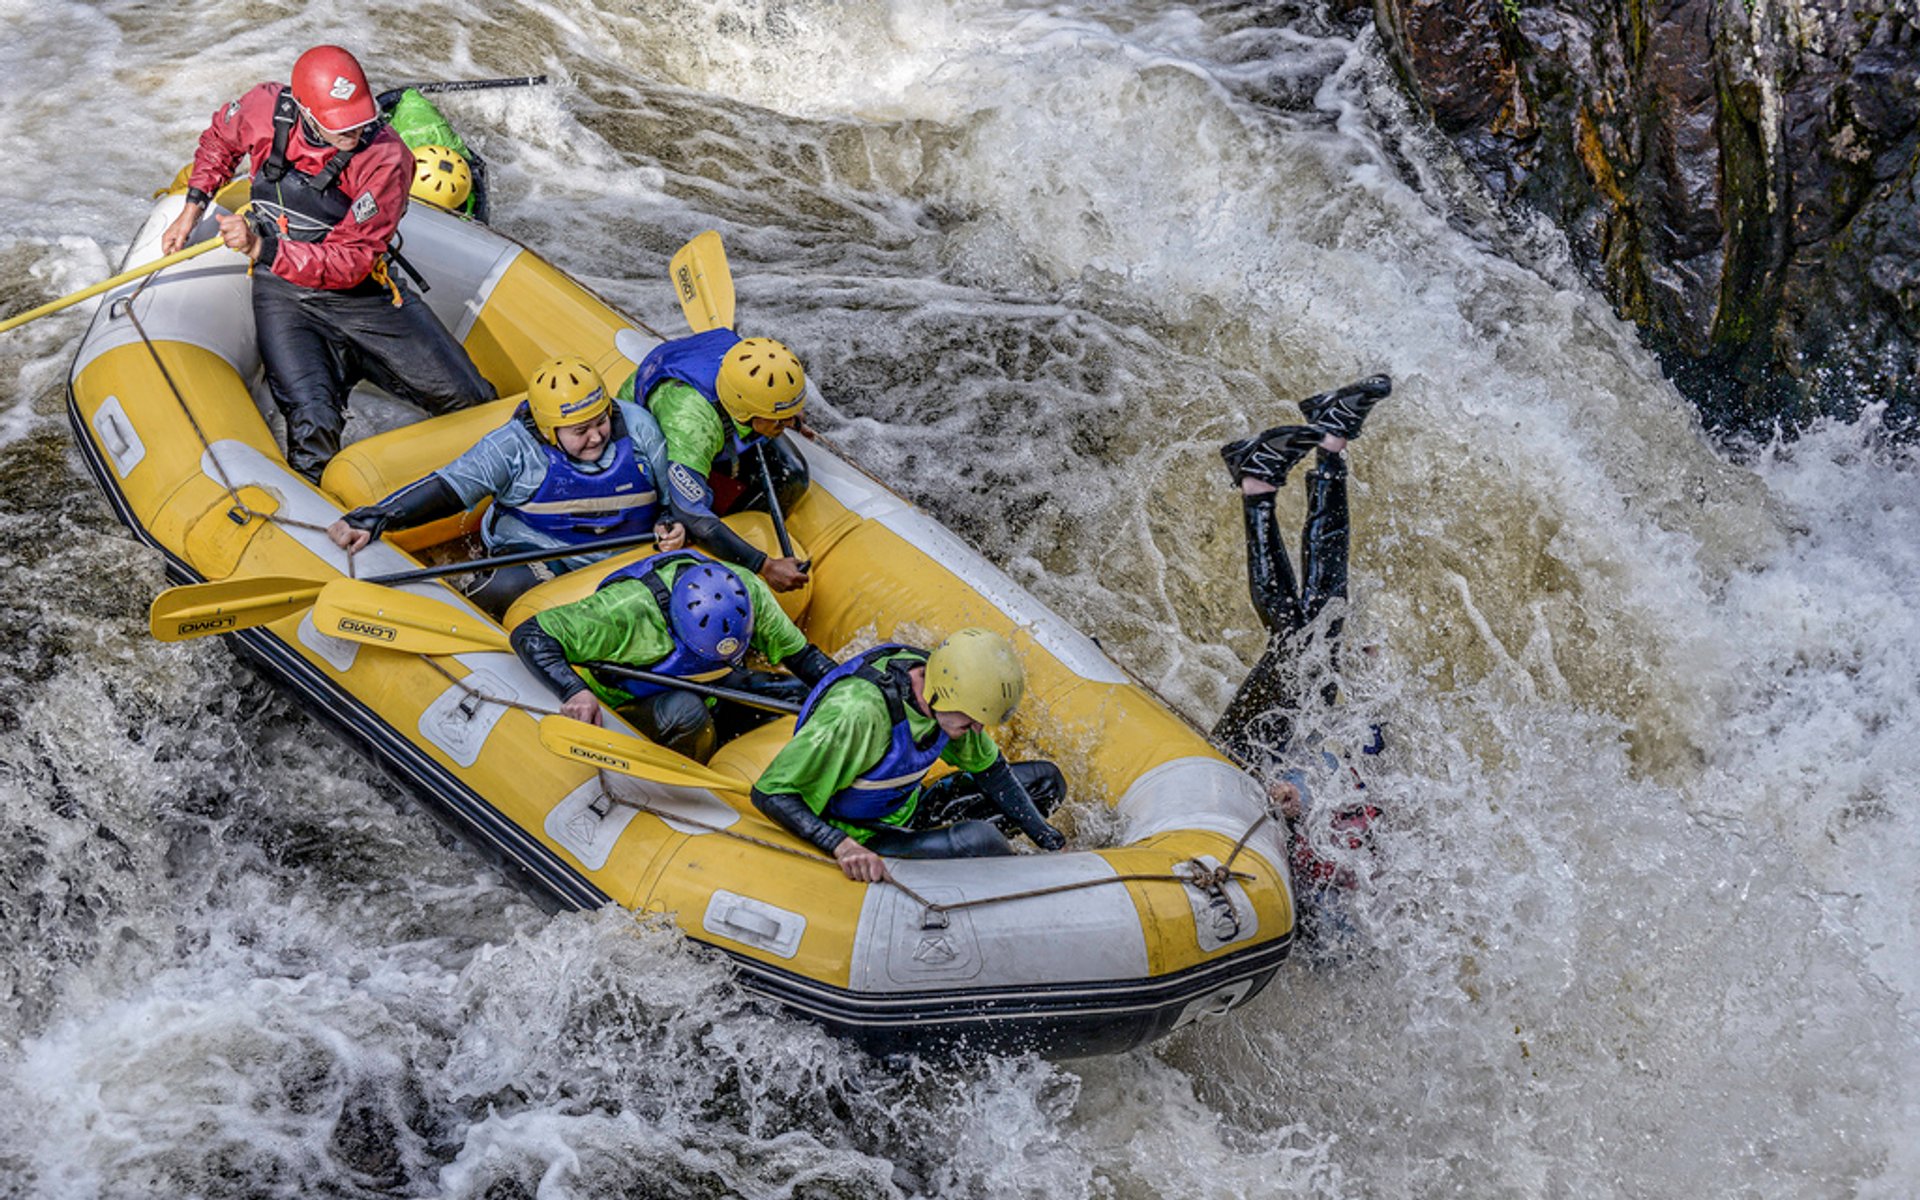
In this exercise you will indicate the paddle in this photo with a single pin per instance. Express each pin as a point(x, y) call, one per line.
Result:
point(704, 284)
point(699, 689)
point(470, 85)
point(198, 609)
point(107, 285)
point(628, 755)
point(360, 610)
point(773, 506)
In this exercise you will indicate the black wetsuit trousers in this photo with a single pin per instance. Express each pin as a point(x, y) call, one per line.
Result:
point(317, 343)
point(689, 725)
point(1259, 720)
point(956, 819)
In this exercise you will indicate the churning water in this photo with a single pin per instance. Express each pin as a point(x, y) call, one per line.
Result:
point(1646, 919)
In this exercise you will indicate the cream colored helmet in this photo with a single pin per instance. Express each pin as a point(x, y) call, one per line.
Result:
point(565, 391)
point(759, 377)
point(975, 672)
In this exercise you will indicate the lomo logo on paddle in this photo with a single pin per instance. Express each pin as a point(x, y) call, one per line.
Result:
point(599, 759)
point(367, 629)
point(685, 278)
point(206, 625)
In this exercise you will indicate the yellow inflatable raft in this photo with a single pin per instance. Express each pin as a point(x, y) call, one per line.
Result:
point(1072, 953)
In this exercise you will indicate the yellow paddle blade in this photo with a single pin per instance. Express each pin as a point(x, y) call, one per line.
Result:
point(107, 285)
point(703, 283)
point(199, 609)
point(597, 747)
point(382, 616)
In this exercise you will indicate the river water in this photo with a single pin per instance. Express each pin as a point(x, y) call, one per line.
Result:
point(1646, 920)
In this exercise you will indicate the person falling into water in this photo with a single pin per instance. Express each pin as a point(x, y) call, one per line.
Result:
point(1258, 725)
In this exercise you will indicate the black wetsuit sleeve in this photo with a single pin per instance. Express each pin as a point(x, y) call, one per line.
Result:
point(716, 537)
point(792, 813)
point(1000, 786)
point(810, 665)
point(419, 502)
point(545, 657)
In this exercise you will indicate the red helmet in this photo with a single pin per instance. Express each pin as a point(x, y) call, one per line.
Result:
point(329, 84)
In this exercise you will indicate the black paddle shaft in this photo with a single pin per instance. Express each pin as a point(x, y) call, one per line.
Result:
point(773, 502)
point(515, 559)
point(698, 689)
point(479, 85)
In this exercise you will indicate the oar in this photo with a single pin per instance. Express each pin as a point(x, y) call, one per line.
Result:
point(360, 610)
point(614, 751)
point(476, 85)
point(773, 506)
point(198, 609)
point(697, 688)
point(107, 285)
point(704, 284)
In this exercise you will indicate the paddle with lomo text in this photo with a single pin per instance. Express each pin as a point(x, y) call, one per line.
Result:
point(360, 610)
point(375, 616)
point(225, 606)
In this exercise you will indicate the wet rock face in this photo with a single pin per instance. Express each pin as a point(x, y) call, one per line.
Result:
point(1739, 175)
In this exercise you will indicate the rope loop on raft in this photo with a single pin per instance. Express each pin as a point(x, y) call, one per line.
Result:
point(240, 513)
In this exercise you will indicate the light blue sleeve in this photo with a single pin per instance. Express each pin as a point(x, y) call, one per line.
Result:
point(506, 464)
point(649, 443)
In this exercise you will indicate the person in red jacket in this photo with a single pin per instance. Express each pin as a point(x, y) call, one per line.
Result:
point(330, 183)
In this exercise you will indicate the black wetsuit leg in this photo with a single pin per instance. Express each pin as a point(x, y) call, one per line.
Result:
point(731, 720)
point(790, 476)
point(968, 839)
point(1258, 718)
point(408, 352)
point(306, 371)
point(1324, 539)
point(1323, 553)
point(496, 590)
point(677, 720)
point(1270, 579)
point(959, 797)
point(317, 343)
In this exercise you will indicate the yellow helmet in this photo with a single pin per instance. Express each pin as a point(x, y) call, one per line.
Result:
point(761, 378)
point(565, 391)
point(440, 177)
point(975, 672)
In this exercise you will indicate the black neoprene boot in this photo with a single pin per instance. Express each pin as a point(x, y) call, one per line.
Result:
point(1270, 455)
point(1342, 411)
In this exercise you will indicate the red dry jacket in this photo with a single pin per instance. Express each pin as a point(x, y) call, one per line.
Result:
point(381, 171)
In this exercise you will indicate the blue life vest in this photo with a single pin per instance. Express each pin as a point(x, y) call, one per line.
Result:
point(695, 361)
point(680, 662)
point(573, 506)
point(885, 787)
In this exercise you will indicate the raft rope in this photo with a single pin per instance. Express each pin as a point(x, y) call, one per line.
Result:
point(240, 513)
point(1209, 880)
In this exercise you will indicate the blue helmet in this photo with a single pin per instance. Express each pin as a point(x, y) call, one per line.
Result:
point(711, 613)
